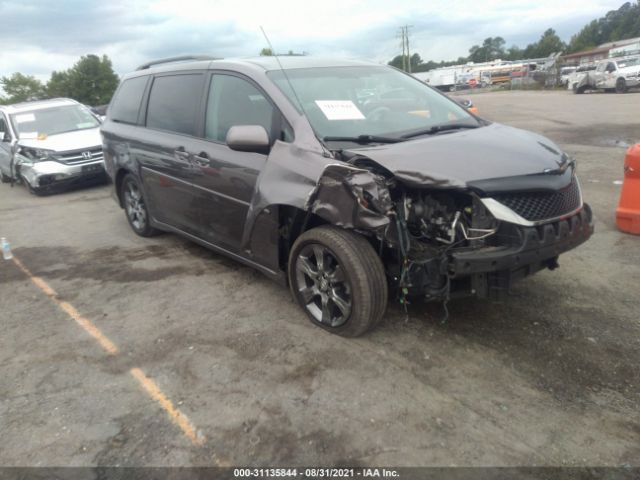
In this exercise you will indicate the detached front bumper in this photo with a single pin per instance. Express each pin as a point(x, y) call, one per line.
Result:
point(492, 269)
point(49, 173)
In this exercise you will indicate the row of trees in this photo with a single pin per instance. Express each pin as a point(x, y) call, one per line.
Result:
point(491, 49)
point(91, 81)
point(615, 25)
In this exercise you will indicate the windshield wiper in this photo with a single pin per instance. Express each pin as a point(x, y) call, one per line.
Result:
point(364, 139)
point(439, 128)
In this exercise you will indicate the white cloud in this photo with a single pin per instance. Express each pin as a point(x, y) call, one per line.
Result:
point(40, 37)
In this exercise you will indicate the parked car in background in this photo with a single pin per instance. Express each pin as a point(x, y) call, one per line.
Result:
point(565, 75)
point(468, 104)
point(99, 111)
point(618, 74)
point(610, 75)
point(50, 144)
point(339, 178)
point(581, 78)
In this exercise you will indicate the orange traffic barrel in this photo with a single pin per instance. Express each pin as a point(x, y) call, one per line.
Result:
point(628, 211)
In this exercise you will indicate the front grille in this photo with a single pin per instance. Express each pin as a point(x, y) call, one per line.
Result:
point(76, 157)
point(536, 206)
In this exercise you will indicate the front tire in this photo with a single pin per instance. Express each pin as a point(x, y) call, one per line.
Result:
point(135, 207)
point(338, 280)
point(5, 178)
point(621, 85)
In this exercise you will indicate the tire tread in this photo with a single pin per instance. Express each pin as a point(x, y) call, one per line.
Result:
point(365, 269)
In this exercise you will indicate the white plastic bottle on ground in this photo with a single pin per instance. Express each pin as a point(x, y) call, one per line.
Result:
point(6, 249)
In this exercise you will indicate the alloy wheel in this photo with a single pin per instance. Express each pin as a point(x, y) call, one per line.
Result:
point(323, 285)
point(134, 205)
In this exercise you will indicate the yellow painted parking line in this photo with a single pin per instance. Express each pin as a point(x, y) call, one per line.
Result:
point(177, 417)
point(149, 386)
point(69, 309)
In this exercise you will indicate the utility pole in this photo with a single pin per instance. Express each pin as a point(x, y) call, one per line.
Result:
point(406, 54)
point(406, 36)
point(402, 41)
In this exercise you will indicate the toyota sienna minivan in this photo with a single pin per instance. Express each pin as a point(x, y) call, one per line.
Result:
point(348, 181)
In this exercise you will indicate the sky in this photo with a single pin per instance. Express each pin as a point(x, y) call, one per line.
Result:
point(39, 36)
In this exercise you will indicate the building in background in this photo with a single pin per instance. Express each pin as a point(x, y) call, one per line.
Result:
point(606, 50)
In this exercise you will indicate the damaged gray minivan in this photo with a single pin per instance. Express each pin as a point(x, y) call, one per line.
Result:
point(348, 180)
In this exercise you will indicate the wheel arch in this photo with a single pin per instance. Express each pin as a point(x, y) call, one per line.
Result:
point(118, 179)
point(274, 231)
point(278, 226)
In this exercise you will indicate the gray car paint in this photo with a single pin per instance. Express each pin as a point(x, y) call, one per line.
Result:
point(453, 159)
point(294, 173)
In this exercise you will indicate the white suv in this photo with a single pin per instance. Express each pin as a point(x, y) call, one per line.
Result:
point(49, 144)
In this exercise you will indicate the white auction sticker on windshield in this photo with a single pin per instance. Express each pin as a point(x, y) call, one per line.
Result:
point(339, 110)
point(25, 117)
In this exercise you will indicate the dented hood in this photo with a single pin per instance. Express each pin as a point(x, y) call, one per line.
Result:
point(464, 156)
point(75, 140)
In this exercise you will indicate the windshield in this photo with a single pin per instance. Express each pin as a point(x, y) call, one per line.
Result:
point(355, 101)
point(51, 121)
point(628, 63)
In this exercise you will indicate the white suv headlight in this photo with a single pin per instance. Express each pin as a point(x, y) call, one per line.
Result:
point(34, 154)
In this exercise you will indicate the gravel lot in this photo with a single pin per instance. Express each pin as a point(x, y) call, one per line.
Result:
point(549, 377)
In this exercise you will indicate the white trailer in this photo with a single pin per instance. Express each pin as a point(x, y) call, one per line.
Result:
point(440, 78)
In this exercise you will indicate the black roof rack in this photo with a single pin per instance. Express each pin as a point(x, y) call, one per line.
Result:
point(182, 58)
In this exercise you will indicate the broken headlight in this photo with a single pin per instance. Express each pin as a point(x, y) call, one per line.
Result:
point(442, 219)
point(35, 154)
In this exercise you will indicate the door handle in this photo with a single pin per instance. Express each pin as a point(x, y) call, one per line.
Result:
point(201, 159)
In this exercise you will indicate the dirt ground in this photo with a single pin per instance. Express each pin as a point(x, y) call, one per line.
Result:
point(549, 377)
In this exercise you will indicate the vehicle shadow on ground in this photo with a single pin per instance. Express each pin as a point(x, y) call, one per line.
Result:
point(562, 347)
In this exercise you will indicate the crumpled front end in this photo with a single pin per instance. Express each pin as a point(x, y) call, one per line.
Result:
point(438, 241)
point(57, 169)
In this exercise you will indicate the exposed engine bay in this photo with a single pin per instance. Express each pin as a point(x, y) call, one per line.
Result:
point(437, 243)
point(430, 225)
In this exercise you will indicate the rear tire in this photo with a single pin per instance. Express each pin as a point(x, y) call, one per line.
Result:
point(135, 207)
point(338, 280)
point(5, 178)
point(621, 86)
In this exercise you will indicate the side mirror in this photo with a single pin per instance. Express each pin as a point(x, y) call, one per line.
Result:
point(248, 138)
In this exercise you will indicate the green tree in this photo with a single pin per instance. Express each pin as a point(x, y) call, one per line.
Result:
point(619, 24)
point(491, 49)
point(266, 52)
point(59, 85)
point(20, 88)
point(396, 62)
point(549, 43)
point(416, 61)
point(514, 53)
point(91, 81)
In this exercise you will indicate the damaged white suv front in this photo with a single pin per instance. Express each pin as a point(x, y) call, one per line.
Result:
point(50, 144)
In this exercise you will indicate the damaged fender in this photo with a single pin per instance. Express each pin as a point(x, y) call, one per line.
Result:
point(311, 181)
point(351, 198)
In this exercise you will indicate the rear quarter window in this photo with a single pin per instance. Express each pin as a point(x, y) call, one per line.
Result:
point(174, 103)
point(126, 104)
